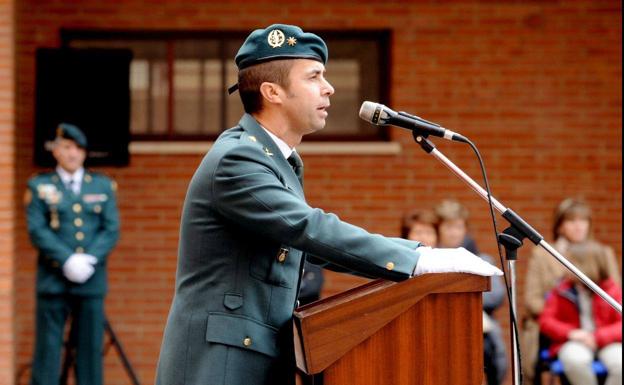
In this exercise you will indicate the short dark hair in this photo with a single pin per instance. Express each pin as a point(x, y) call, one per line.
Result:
point(425, 216)
point(251, 78)
point(569, 209)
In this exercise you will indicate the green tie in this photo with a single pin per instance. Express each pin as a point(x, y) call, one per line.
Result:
point(297, 164)
point(70, 185)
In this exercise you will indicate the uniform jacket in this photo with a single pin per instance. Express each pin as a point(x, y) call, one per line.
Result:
point(561, 315)
point(61, 223)
point(244, 230)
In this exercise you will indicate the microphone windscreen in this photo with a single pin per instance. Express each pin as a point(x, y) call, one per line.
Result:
point(367, 112)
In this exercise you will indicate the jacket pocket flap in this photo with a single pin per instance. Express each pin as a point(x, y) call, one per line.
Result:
point(242, 332)
point(232, 301)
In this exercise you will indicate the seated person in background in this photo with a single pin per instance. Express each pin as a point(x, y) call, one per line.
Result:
point(572, 224)
point(580, 324)
point(453, 232)
point(421, 225)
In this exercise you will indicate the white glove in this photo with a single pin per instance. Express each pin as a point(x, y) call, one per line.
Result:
point(79, 267)
point(488, 323)
point(457, 260)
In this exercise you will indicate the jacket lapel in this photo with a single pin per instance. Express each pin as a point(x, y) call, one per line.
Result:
point(252, 128)
point(60, 186)
point(85, 184)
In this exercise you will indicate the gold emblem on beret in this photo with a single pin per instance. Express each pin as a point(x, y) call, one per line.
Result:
point(276, 38)
point(291, 41)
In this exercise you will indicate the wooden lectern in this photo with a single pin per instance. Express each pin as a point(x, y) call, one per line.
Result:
point(423, 331)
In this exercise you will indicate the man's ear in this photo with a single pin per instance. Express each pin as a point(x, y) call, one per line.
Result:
point(272, 92)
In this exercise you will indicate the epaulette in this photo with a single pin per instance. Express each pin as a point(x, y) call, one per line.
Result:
point(40, 174)
point(91, 175)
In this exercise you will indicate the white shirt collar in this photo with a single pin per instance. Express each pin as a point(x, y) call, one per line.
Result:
point(283, 147)
point(66, 176)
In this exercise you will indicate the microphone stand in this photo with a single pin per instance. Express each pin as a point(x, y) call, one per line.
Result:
point(511, 238)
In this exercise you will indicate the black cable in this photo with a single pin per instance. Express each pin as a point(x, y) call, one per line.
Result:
point(500, 254)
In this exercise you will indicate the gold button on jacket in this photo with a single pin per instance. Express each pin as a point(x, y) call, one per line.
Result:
point(281, 257)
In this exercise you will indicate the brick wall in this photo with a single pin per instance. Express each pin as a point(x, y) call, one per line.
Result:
point(536, 85)
point(7, 186)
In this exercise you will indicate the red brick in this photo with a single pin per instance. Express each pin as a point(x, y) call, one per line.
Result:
point(520, 79)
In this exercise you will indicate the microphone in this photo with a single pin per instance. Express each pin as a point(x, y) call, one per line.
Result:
point(381, 115)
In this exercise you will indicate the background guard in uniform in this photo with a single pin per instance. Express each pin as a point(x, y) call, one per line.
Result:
point(73, 221)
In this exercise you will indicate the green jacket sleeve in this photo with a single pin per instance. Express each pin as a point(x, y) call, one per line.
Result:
point(248, 191)
point(315, 260)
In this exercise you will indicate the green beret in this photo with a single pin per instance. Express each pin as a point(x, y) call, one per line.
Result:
point(280, 41)
point(71, 132)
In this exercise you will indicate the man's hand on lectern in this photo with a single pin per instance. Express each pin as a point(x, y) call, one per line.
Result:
point(457, 260)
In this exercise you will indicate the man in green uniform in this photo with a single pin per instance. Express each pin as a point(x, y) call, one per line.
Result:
point(246, 228)
point(74, 223)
